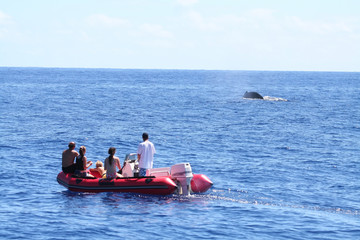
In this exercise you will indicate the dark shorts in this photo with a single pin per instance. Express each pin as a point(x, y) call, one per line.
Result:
point(81, 173)
point(69, 169)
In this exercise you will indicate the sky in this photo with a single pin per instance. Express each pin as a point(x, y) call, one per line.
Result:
point(273, 35)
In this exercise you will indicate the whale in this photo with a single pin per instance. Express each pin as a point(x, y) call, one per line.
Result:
point(252, 95)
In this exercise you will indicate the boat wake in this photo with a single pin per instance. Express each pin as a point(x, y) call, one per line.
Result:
point(214, 195)
point(243, 197)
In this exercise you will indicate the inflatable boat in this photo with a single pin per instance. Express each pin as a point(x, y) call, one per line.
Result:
point(177, 179)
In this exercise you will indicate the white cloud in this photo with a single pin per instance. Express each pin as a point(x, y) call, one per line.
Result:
point(187, 2)
point(271, 22)
point(5, 25)
point(155, 30)
point(253, 19)
point(262, 13)
point(267, 36)
point(4, 18)
point(320, 27)
point(202, 23)
point(104, 20)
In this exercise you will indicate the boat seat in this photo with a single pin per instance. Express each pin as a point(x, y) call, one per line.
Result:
point(158, 172)
point(95, 173)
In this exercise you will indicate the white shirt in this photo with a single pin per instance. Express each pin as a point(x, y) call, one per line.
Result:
point(146, 150)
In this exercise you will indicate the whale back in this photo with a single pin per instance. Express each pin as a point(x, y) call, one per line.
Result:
point(254, 95)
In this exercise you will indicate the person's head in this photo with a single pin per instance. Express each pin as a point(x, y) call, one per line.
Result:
point(112, 151)
point(72, 145)
point(82, 150)
point(99, 164)
point(145, 136)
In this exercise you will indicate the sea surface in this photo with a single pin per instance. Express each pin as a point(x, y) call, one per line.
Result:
point(286, 167)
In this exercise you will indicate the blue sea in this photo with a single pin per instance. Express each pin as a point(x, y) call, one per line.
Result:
point(286, 167)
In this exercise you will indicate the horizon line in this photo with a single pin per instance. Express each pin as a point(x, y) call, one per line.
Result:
point(180, 69)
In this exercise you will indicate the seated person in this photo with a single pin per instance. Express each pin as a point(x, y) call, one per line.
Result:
point(99, 170)
point(68, 156)
point(82, 164)
point(111, 163)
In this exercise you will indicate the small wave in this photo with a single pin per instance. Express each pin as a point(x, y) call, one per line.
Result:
point(8, 147)
point(275, 99)
point(284, 148)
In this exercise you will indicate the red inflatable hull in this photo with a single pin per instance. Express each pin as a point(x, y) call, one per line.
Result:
point(200, 183)
point(143, 185)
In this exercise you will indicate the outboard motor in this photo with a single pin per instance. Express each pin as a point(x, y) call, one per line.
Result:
point(183, 174)
point(130, 168)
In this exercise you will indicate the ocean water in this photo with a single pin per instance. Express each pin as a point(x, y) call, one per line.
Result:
point(286, 167)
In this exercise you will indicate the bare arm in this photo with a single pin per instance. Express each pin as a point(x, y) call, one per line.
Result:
point(105, 164)
point(118, 163)
point(84, 163)
point(87, 163)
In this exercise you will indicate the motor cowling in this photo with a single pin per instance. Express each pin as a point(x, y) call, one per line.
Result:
point(182, 173)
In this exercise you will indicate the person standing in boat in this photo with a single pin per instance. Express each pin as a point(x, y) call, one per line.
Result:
point(82, 164)
point(68, 157)
point(145, 152)
point(111, 163)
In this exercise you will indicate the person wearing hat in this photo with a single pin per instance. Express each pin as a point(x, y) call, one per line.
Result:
point(68, 156)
